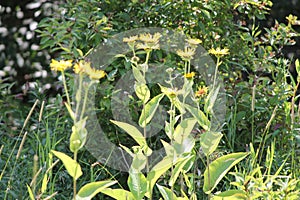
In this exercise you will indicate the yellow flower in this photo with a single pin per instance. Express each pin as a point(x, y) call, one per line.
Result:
point(148, 38)
point(201, 92)
point(81, 66)
point(130, 39)
point(94, 74)
point(61, 65)
point(292, 19)
point(194, 42)
point(187, 54)
point(219, 52)
point(147, 46)
point(189, 75)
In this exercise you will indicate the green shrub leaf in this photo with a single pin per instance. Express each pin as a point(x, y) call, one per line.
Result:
point(231, 195)
point(137, 184)
point(209, 141)
point(158, 170)
point(200, 116)
point(149, 110)
point(118, 193)
point(166, 193)
point(218, 169)
point(142, 91)
point(71, 165)
point(135, 134)
point(179, 168)
point(89, 190)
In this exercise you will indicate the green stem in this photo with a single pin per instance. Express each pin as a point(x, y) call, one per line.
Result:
point(74, 178)
point(65, 87)
point(85, 99)
point(78, 95)
point(216, 71)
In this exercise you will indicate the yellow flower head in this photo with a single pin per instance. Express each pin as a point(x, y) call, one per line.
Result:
point(194, 42)
point(94, 74)
point(219, 52)
point(61, 65)
point(189, 75)
point(148, 38)
point(292, 19)
point(201, 92)
point(130, 39)
point(148, 46)
point(187, 54)
point(81, 66)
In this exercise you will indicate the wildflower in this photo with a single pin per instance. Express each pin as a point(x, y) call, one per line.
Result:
point(61, 65)
point(189, 75)
point(219, 52)
point(187, 54)
point(94, 74)
point(201, 92)
point(130, 39)
point(148, 38)
point(81, 66)
point(147, 46)
point(194, 42)
point(292, 19)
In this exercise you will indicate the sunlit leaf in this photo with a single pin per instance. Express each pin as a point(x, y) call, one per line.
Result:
point(166, 193)
point(158, 170)
point(179, 168)
point(142, 91)
point(118, 194)
point(209, 141)
point(149, 110)
point(135, 134)
point(31, 195)
point(71, 165)
point(90, 190)
point(219, 168)
point(200, 117)
point(184, 129)
point(231, 195)
point(137, 184)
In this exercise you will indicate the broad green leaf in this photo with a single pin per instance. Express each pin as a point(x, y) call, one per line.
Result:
point(78, 136)
point(135, 134)
point(149, 110)
point(90, 190)
point(119, 194)
point(209, 141)
point(166, 193)
point(138, 75)
point(71, 165)
point(31, 195)
point(200, 117)
point(137, 184)
point(219, 168)
point(185, 146)
point(169, 149)
point(211, 99)
point(139, 160)
point(179, 168)
point(231, 195)
point(142, 92)
point(184, 129)
point(158, 170)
